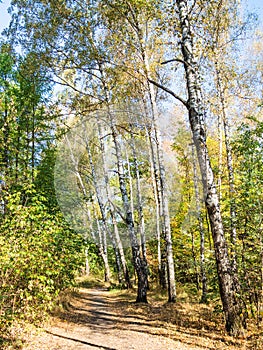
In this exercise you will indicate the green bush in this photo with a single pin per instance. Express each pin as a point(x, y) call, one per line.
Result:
point(40, 256)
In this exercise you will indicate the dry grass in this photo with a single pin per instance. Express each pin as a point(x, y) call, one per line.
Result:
point(190, 322)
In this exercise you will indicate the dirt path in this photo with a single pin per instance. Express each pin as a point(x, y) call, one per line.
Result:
point(96, 319)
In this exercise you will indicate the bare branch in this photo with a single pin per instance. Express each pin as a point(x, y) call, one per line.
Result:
point(170, 92)
point(174, 60)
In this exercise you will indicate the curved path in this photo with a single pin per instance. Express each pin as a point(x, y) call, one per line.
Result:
point(98, 320)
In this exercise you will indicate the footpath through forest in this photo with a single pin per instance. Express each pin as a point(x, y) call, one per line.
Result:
point(96, 318)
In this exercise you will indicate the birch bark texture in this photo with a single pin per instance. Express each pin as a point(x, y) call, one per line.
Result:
point(112, 209)
point(138, 261)
point(232, 304)
point(201, 229)
point(165, 215)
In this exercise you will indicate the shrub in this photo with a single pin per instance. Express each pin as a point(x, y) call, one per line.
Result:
point(40, 256)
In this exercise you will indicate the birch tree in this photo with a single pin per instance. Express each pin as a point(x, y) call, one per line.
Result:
point(233, 307)
point(137, 16)
point(122, 32)
point(111, 207)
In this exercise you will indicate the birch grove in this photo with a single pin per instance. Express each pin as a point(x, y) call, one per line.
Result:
point(149, 168)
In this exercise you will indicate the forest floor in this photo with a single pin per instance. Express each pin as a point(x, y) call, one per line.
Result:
point(96, 318)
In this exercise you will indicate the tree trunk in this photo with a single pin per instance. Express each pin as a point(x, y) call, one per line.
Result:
point(158, 205)
point(197, 282)
point(231, 180)
point(163, 189)
point(102, 241)
point(112, 211)
point(103, 251)
point(125, 269)
point(138, 261)
point(166, 229)
point(220, 157)
point(201, 231)
point(17, 154)
point(232, 304)
point(130, 182)
point(103, 210)
point(139, 198)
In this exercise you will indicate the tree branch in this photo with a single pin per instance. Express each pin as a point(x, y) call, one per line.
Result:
point(175, 60)
point(170, 92)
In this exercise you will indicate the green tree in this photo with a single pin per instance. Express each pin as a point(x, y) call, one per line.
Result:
point(248, 157)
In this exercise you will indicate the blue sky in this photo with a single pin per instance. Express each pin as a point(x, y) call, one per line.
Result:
point(253, 5)
point(4, 16)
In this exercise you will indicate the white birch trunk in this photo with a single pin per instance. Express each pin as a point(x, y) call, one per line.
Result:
point(220, 157)
point(103, 213)
point(103, 251)
point(163, 190)
point(139, 197)
point(112, 211)
point(232, 305)
point(158, 205)
point(138, 261)
point(201, 231)
point(231, 180)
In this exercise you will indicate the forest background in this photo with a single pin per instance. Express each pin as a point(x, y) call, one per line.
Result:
point(101, 171)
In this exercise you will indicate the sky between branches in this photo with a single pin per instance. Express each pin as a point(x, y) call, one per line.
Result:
point(252, 5)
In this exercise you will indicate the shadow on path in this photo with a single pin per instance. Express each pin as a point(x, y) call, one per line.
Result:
point(105, 314)
point(81, 341)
